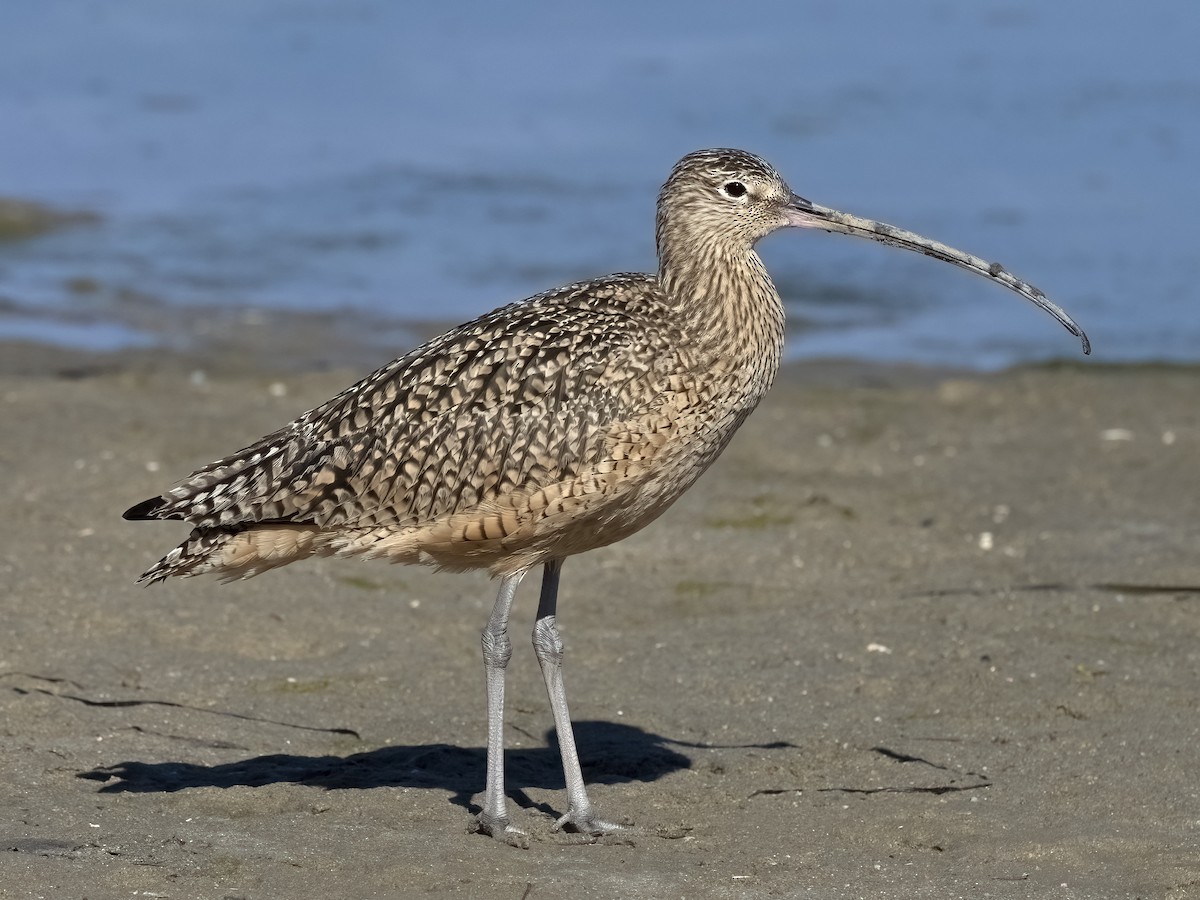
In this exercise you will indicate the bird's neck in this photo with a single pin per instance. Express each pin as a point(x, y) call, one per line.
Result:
point(728, 304)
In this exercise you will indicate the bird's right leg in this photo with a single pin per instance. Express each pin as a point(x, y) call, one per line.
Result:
point(497, 648)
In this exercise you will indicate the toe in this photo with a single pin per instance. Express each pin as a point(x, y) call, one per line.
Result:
point(501, 830)
point(585, 823)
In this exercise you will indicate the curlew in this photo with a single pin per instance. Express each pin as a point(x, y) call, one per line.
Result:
point(543, 429)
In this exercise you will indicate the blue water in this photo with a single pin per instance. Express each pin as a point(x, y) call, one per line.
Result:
point(432, 161)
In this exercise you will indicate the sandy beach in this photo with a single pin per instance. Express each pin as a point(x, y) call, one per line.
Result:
point(915, 635)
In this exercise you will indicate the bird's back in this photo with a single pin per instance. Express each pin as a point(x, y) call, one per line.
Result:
point(544, 428)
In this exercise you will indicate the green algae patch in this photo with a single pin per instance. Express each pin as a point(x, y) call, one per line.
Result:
point(363, 583)
point(300, 686)
point(762, 512)
point(22, 219)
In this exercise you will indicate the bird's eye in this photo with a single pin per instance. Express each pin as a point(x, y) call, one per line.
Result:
point(733, 189)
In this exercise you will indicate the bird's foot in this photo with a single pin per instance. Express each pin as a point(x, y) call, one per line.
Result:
point(501, 830)
point(585, 822)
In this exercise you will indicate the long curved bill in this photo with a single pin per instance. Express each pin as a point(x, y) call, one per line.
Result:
point(806, 214)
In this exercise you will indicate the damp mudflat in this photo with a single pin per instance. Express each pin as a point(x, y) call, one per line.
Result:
point(914, 635)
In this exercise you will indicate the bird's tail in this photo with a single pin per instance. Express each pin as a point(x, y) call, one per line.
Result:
point(233, 552)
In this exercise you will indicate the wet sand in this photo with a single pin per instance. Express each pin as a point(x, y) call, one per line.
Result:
point(913, 636)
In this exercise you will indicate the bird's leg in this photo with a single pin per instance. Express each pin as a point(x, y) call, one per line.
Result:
point(548, 646)
point(497, 648)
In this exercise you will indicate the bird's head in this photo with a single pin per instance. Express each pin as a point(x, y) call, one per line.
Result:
point(728, 196)
point(719, 203)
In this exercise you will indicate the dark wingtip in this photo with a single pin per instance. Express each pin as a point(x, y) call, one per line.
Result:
point(1087, 345)
point(146, 509)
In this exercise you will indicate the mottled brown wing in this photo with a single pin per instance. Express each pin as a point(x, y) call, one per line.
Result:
point(521, 397)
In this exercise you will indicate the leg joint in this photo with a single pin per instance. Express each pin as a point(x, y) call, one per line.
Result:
point(497, 648)
point(546, 641)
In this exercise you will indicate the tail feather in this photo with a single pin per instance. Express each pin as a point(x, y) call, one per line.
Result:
point(234, 552)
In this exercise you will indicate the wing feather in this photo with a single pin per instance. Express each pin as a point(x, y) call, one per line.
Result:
point(520, 398)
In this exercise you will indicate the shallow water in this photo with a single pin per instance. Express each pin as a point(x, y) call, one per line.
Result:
point(431, 162)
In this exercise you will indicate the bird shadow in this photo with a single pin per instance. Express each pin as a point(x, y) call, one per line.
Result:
point(610, 753)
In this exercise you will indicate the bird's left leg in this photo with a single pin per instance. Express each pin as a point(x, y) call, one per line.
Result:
point(548, 646)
